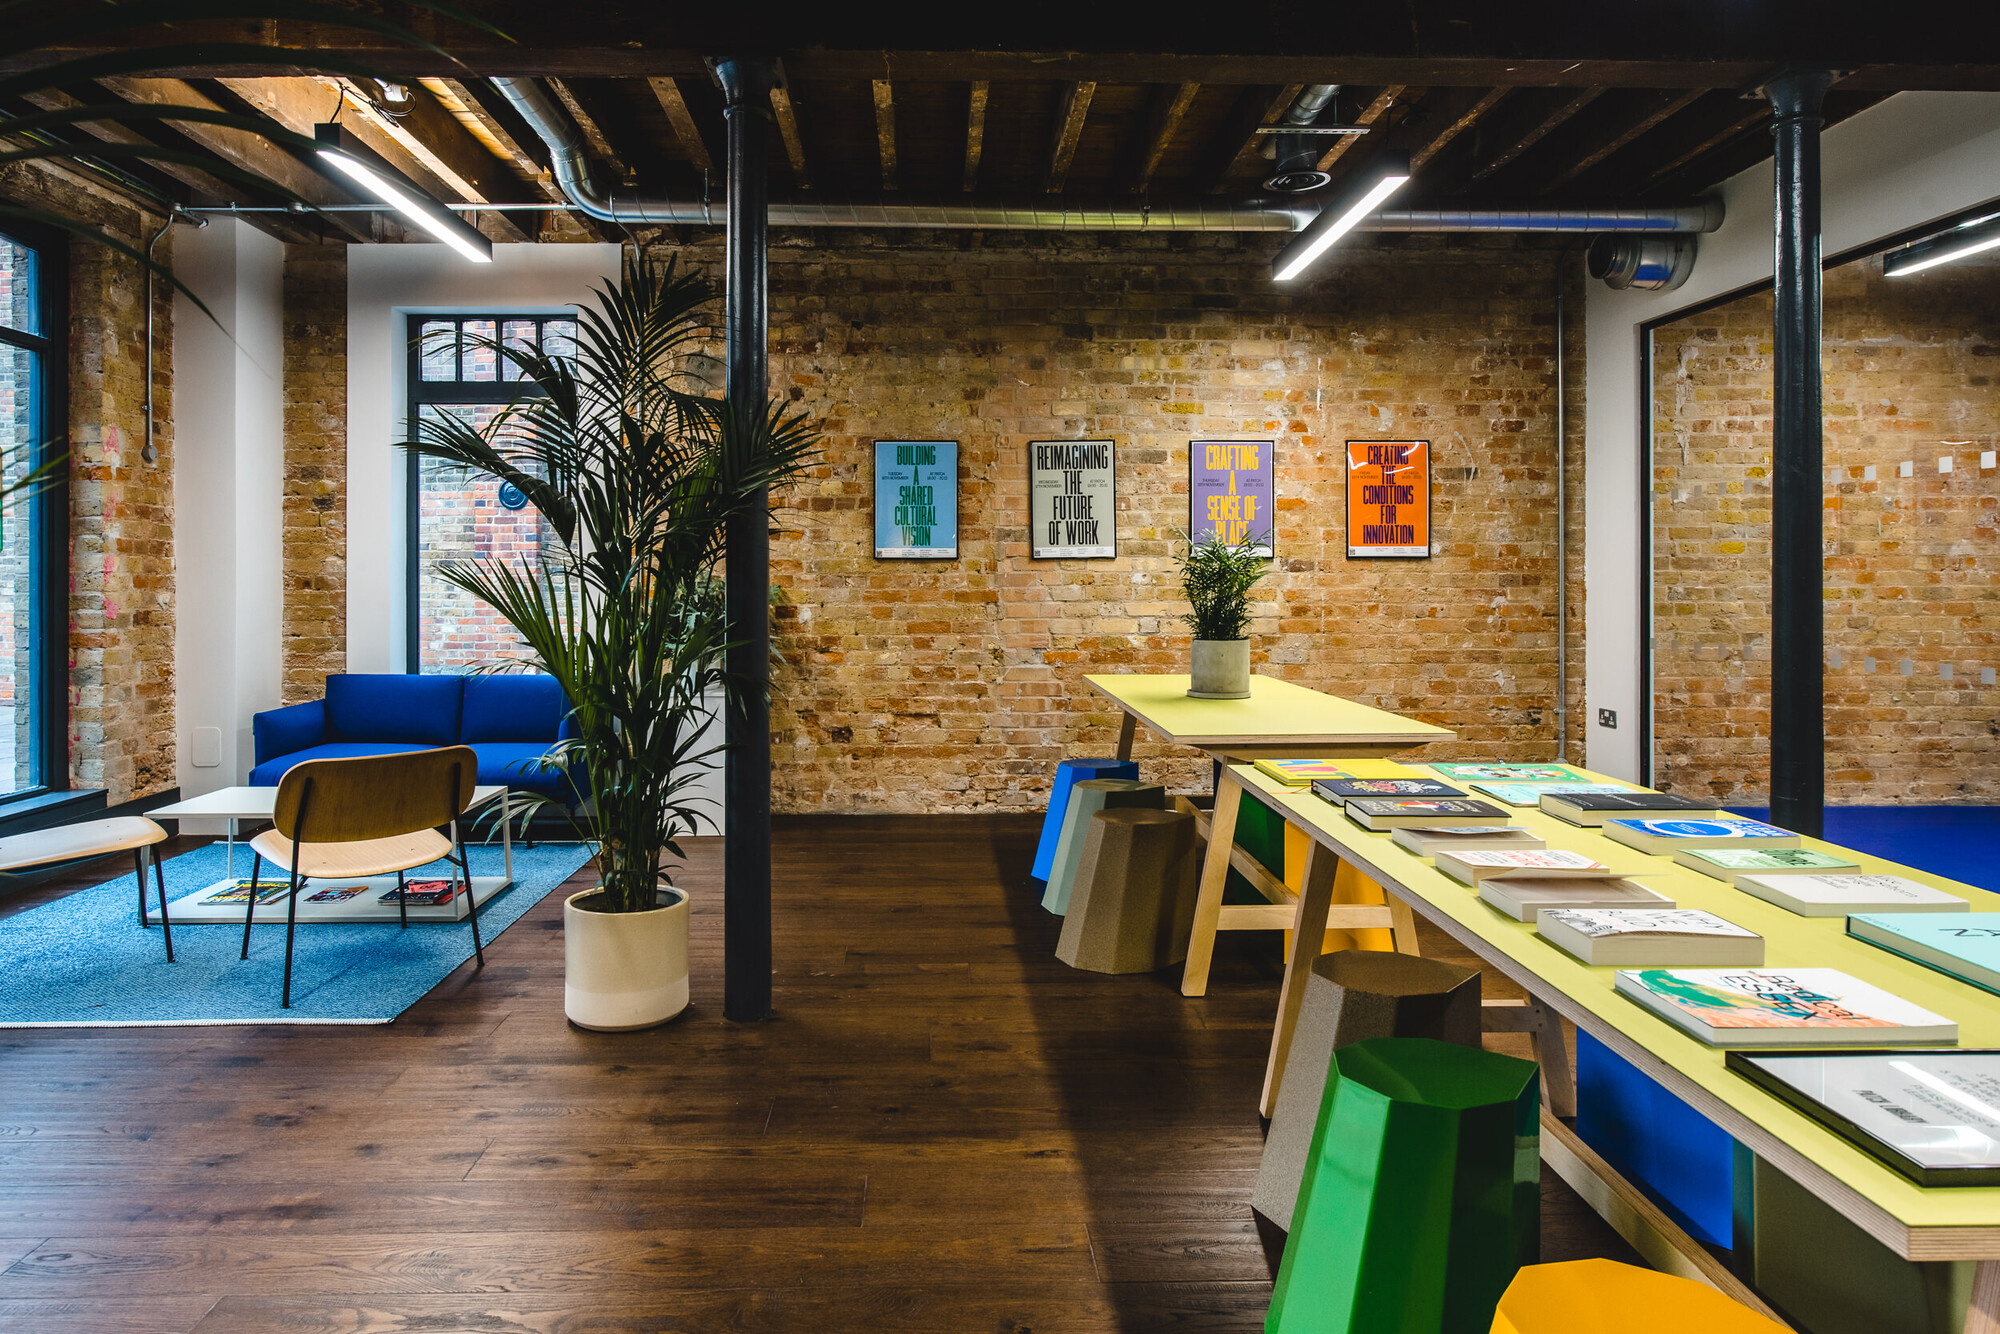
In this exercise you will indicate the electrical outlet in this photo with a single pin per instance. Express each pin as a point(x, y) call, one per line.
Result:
point(1607, 718)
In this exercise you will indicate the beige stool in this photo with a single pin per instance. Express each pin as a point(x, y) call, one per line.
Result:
point(1132, 909)
point(97, 838)
point(1085, 800)
point(1353, 995)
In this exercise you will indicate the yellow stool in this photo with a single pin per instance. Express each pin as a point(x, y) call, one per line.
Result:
point(1605, 1297)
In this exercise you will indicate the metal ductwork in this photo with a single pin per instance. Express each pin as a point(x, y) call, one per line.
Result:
point(1648, 263)
point(571, 168)
point(1295, 157)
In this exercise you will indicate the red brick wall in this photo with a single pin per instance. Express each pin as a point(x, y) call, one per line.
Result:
point(314, 619)
point(1913, 563)
point(957, 685)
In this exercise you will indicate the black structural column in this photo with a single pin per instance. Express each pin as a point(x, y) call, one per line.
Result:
point(746, 823)
point(1798, 734)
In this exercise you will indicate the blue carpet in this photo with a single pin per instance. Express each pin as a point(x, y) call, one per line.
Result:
point(1954, 841)
point(83, 960)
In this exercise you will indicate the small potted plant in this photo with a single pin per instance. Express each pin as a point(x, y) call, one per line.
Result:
point(1217, 577)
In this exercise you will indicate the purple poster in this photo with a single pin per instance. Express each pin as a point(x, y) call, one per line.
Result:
point(1230, 492)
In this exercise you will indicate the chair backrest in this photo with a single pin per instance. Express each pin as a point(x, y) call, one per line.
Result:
point(375, 796)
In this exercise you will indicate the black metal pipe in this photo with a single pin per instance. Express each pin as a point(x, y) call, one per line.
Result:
point(746, 821)
point(1798, 735)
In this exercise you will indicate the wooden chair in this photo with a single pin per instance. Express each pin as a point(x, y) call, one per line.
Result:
point(366, 816)
point(95, 838)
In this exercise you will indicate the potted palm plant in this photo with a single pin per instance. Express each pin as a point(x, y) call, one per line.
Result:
point(1217, 577)
point(636, 479)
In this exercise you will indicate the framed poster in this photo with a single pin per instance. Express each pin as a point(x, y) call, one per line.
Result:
point(1072, 499)
point(1230, 492)
point(1389, 498)
point(916, 500)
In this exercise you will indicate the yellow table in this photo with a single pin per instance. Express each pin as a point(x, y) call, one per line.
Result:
point(1954, 1223)
point(1279, 720)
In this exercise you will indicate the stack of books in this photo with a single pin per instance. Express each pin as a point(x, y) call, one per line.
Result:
point(1837, 895)
point(1591, 809)
point(1523, 882)
point(1427, 840)
point(1651, 937)
point(1671, 836)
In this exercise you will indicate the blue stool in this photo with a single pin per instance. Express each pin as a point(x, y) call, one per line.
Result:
point(1068, 774)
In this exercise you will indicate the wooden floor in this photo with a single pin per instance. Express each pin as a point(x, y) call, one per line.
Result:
point(942, 1129)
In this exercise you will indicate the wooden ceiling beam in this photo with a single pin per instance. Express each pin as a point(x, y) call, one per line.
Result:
point(205, 188)
point(1665, 106)
point(1255, 107)
point(1755, 114)
point(1456, 126)
point(975, 133)
point(885, 130)
point(593, 133)
point(788, 130)
point(1370, 115)
point(668, 93)
point(463, 104)
point(1069, 130)
point(1548, 124)
point(1170, 107)
point(300, 105)
point(247, 151)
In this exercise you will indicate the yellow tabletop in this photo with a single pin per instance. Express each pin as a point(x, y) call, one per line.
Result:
point(1277, 714)
point(1919, 1223)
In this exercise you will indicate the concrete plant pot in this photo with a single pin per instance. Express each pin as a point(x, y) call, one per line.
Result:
point(625, 970)
point(1221, 669)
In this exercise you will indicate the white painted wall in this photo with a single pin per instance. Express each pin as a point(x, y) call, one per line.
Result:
point(1913, 159)
point(228, 492)
point(386, 283)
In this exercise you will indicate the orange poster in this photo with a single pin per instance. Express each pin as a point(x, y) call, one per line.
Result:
point(1388, 498)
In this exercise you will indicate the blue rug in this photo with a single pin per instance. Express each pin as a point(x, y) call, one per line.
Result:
point(83, 960)
point(1953, 841)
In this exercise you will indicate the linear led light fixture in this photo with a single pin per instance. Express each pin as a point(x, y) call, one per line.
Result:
point(1966, 239)
point(360, 166)
point(1338, 219)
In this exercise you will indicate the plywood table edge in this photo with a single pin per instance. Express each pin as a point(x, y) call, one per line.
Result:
point(1421, 734)
point(1911, 1242)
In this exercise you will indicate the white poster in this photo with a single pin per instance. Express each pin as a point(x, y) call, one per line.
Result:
point(1072, 495)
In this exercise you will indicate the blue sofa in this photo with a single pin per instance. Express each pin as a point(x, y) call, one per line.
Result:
point(509, 721)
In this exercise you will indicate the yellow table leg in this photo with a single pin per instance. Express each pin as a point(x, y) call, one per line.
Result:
point(1214, 879)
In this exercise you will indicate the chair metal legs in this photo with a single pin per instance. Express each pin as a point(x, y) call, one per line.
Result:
point(139, 874)
point(471, 901)
point(402, 901)
point(250, 909)
point(291, 924)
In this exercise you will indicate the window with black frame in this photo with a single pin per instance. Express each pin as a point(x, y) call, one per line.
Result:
point(33, 533)
point(455, 515)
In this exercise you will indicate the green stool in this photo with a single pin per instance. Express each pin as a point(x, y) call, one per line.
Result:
point(1086, 799)
point(1422, 1194)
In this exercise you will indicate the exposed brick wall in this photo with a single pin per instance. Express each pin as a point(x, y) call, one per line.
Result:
point(957, 685)
point(1912, 566)
point(314, 621)
point(121, 682)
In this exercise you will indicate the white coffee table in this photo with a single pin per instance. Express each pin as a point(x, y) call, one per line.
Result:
point(236, 804)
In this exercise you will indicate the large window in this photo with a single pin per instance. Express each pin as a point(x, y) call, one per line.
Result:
point(33, 653)
point(454, 515)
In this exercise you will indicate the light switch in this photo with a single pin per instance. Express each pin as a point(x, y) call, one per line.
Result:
point(1907, 468)
point(1944, 463)
point(1868, 473)
point(207, 748)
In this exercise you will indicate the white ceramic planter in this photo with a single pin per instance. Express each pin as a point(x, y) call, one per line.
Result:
point(1221, 669)
point(625, 970)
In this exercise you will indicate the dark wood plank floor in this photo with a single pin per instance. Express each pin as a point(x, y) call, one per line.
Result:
point(942, 1129)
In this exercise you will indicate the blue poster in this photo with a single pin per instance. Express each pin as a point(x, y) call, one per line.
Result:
point(916, 500)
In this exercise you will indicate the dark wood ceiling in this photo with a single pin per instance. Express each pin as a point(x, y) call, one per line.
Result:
point(1574, 104)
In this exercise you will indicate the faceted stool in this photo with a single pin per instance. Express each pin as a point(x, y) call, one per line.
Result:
point(1422, 1193)
point(1132, 908)
point(1085, 800)
point(1068, 774)
point(1352, 995)
point(1605, 1297)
